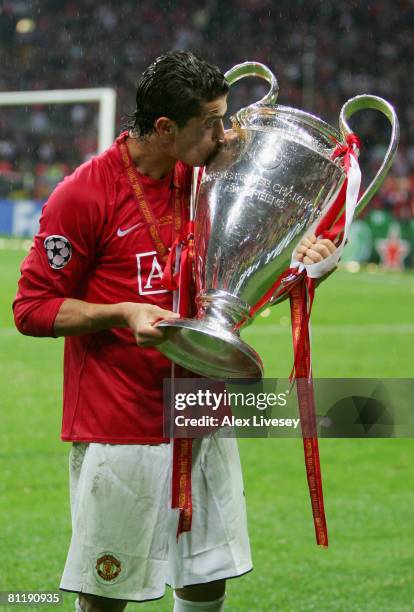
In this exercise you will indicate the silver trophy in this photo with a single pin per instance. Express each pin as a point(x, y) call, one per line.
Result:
point(261, 193)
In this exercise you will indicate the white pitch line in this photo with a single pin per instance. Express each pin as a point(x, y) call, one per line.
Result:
point(263, 330)
point(8, 331)
point(384, 328)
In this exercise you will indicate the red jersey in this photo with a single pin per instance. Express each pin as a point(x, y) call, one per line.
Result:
point(93, 245)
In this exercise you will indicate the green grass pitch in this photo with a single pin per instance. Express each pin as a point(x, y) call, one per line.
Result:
point(362, 327)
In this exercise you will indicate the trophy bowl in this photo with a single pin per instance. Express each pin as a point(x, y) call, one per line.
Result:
point(274, 178)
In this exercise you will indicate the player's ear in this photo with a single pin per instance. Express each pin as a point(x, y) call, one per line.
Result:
point(165, 127)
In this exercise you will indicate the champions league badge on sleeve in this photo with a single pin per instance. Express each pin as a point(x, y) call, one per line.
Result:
point(58, 250)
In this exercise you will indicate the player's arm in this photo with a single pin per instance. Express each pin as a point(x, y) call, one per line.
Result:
point(77, 317)
point(62, 253)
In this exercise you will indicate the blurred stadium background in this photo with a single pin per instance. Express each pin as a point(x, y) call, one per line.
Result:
point(322, 53)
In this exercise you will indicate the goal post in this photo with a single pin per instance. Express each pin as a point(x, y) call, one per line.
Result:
point(24, 189)
point(104, 96)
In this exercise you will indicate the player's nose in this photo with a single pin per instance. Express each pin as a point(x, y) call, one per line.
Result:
point(219, 133)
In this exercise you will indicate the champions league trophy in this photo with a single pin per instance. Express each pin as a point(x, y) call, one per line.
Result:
point(264, 190)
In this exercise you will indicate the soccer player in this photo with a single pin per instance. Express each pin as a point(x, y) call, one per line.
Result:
point(94, 276)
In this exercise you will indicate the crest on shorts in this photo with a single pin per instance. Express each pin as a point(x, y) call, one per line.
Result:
point(58, 250)
point(108, 567)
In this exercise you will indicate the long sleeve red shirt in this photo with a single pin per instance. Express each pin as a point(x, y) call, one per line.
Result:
point(93, 245)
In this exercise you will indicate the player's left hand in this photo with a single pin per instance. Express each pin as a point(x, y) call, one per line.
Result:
point(312, 250)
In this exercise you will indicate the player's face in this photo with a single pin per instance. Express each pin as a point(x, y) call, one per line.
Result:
point(201, 136)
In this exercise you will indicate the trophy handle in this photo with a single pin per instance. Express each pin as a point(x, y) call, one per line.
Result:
point(375, 103)
point(255, 69)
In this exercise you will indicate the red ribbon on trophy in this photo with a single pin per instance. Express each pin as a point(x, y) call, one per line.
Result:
point(298, 283)
point(334, 226)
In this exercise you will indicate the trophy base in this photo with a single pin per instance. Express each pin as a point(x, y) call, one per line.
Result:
point(208, 351)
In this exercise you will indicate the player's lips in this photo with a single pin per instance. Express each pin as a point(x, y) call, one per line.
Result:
point(213, 154)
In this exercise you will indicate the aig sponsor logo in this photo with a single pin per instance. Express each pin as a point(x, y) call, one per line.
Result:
point(149, 274)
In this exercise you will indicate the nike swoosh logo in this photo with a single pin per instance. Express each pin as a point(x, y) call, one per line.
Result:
point(124, 232)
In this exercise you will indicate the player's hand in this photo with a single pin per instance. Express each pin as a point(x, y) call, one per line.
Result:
point(312, 250)
point(141, 319)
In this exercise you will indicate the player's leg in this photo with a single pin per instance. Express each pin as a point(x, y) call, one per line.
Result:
point(119, 499)
point(94, 603)
point(218, 545)
point(202, 592)
point(209, 596)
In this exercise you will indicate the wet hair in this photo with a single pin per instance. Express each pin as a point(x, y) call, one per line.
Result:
point(175, 85)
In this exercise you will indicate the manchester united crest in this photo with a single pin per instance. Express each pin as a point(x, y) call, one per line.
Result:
point(108, 567)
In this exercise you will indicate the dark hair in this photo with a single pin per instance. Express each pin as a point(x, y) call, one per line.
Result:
point(175, 85)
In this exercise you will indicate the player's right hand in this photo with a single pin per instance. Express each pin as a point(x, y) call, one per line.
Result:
point(141, 319)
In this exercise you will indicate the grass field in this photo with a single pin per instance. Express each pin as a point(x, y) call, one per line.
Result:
point(363, 326)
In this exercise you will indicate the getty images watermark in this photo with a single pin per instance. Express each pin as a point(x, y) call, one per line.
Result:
point(214, 408)
point(195, 407)
point(344, 408)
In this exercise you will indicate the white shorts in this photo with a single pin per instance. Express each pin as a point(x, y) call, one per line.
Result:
point(124, 543)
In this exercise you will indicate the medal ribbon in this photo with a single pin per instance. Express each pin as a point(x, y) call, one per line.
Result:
point(181, 482)
point(182, 447)
point(178, 275)
point(144, 206)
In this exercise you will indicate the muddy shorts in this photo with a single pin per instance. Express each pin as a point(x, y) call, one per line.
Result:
point(124, 543)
